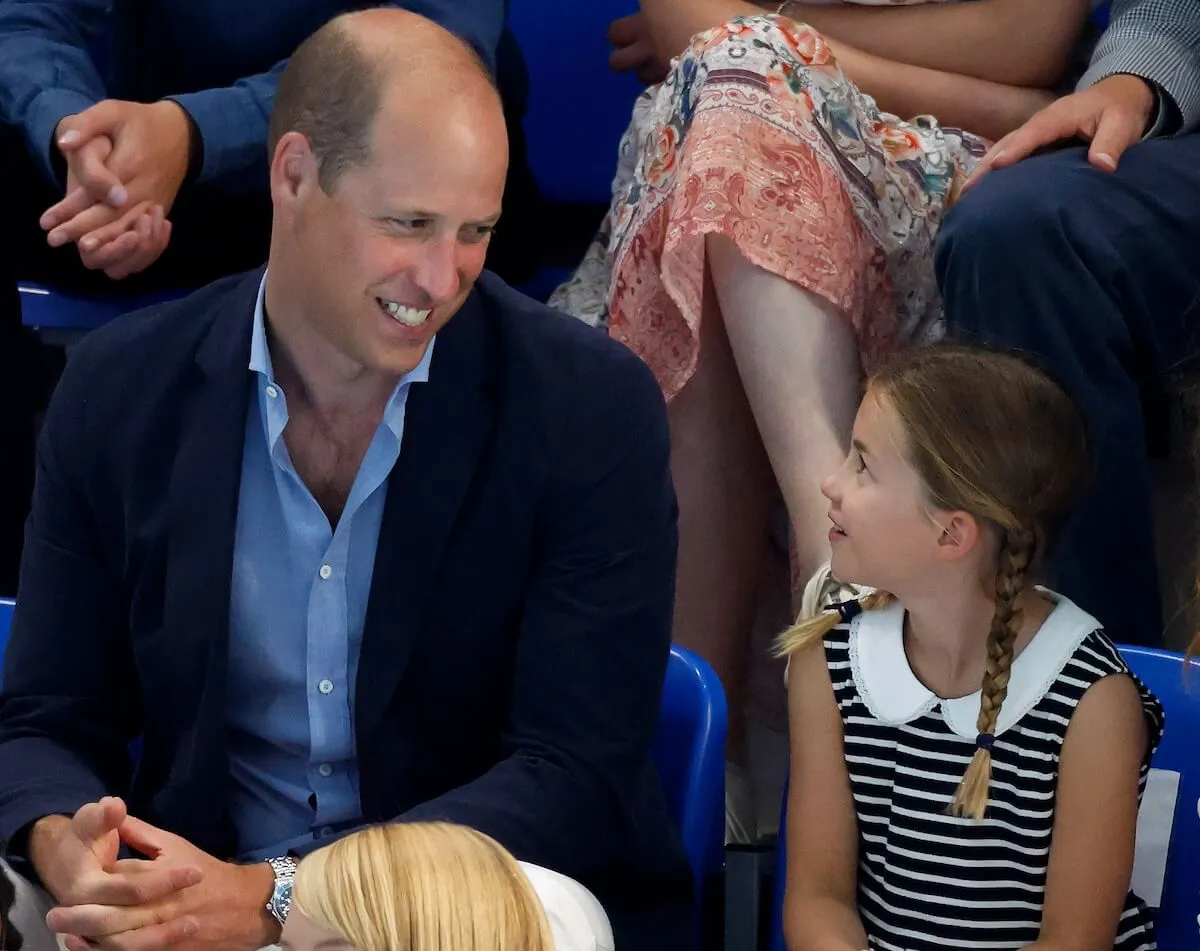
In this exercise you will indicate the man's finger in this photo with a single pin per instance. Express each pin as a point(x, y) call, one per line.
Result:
point(136, 833)
point(138, 883)
point(99, 921)
point(986, 163)
point(98, 819)
point(1115, 132)
point(123, 256)
point(74, 203)
point(74, 132)
point(113, 254)
point(1058, 122)
point(144, 256)
point(84, 223)
point(129, 221)
point(89, 168)
point(153, 938)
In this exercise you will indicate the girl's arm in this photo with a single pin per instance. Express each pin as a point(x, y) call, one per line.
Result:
point(1014, 42)
point(1091, 853)
point(820, 906)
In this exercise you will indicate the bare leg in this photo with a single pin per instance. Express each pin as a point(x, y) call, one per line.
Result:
point(799, 366)
point(725, 487)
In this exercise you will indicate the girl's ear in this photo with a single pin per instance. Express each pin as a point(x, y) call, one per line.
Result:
point(961, 533)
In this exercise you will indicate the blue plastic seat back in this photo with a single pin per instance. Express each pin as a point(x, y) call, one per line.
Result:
point(50, 309)
point(1179, 690)
point(6, 613)
point(689, 750)
point(578, 108)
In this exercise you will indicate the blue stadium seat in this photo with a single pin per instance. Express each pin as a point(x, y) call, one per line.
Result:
point(1178, 687)
point(1177, 760)
point(689, 750)
point(576, 113)
point(58, 314)
point(577, 107)
point(6, 612)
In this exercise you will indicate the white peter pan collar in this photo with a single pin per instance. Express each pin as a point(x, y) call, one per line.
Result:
point(894, 695)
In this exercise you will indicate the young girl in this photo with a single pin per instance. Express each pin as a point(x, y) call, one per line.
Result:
point(771, 232)
point(968, 750)
point(436, 887)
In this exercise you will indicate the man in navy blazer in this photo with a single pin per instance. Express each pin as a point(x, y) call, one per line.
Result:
point(365, 537)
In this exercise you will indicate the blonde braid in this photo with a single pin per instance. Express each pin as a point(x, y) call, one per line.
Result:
point(1016, 553)
point(808, 631)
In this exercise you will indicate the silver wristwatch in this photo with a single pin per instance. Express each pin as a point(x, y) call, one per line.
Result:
point(281, 898)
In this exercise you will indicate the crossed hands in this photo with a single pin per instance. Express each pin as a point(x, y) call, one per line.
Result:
point(125, 164)
point(177, 897)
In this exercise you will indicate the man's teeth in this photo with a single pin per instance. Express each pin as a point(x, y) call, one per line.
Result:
point(409, 316)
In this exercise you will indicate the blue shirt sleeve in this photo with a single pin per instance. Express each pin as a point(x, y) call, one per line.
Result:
point(233, 120)
point(46, 67)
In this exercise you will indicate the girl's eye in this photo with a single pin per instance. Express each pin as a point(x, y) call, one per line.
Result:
point(861, 465)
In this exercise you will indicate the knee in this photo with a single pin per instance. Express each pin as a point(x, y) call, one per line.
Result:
point(1016, 230)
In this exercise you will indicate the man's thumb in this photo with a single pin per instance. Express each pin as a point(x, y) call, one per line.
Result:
point(76, 131)
point(1115, 132)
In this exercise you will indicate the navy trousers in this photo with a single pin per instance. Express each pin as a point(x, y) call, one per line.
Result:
point(1097, 275)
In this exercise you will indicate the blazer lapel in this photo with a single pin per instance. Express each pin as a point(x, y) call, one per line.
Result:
point(203, 510)
point(448, 423)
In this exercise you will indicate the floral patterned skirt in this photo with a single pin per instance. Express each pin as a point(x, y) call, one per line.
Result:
point(758, 136)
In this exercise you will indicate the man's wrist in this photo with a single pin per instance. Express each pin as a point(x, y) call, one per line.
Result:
point(260, 886)
point(195, 144)
point(42, 842)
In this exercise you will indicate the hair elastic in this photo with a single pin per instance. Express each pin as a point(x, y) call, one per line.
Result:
point(847, 610)
point(985, 741)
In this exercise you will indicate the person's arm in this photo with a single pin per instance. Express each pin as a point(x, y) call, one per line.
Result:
point(820, 904)
point(70, 698)
point(986, 108)
point(1088, 876)
point(594, 638)
point(231, 121)
point(1012, 42)
point(1158, 41)
point(46, 68)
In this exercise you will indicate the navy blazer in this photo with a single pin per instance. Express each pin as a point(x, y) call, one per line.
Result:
point(519, 618)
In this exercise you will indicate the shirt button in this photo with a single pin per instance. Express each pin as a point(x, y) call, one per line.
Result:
point(272, 392)
point(326, 572)
point(325, 769)
point(325, 686)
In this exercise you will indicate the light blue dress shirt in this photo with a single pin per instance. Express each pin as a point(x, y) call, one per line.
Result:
point(298, 604)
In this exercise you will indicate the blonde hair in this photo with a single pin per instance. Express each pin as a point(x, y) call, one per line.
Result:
point(422, 887)
point(987, 434)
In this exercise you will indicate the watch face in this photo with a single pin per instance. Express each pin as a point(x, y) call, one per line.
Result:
point(281, 901)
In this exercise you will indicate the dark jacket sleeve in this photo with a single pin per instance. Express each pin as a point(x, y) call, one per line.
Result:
point(594, 640)
point(69, 703)
point(46, 68)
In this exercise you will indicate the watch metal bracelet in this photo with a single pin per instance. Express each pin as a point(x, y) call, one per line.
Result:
point(280, 904)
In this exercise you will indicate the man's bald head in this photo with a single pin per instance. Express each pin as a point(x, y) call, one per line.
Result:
point(337, 81)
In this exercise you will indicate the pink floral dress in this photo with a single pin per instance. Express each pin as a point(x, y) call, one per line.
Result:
point(757, 135)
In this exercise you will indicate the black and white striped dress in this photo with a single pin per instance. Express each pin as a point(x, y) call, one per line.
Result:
point(928, 881)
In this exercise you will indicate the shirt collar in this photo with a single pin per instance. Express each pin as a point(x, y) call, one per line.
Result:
point(894, 695)
point(260, 363)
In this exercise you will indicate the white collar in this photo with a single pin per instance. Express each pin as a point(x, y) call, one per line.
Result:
point(894, 695)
